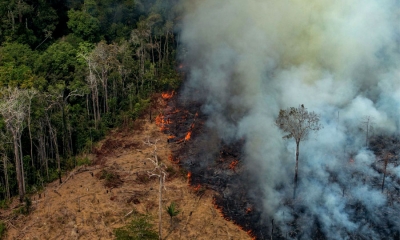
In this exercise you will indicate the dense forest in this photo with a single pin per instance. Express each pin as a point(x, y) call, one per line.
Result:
point(71, 70)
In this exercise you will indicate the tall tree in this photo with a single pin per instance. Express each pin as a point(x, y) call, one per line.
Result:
point(297, 123)
point(13, 108)
point(4, 138)
point(159, 172)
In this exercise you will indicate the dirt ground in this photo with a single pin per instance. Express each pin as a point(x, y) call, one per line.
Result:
point(94, 200)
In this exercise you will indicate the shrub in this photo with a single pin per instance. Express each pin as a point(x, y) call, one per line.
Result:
point(3, 229)
point(139, 229)
point(4, 204)
point(112, 179)
point(83, 161)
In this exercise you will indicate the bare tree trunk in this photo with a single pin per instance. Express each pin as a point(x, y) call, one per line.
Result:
point(20, 176)
point(384, 171)
point(30, 133)
point(5, 160)
point(42, 149)
point(94, 110)
point(166, 42)
point(53, 136)
point(165, 47)
point(97, 106)
point(152, 49)
point(160, 208)
point(19, 12)
point(22, 162)
point(11, 16)
point(296, 169)
point(366, 139)
point(160, 60)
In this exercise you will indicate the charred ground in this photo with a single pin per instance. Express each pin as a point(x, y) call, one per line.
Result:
point(217, 165)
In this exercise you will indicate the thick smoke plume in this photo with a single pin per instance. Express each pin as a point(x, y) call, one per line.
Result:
point(248, 59)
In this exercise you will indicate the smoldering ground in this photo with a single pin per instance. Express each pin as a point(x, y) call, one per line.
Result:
point(248, 59)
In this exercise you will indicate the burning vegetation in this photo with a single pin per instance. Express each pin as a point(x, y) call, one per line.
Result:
point(235, 198)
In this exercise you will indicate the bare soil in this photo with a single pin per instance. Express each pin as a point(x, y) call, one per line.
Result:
point(94, 200)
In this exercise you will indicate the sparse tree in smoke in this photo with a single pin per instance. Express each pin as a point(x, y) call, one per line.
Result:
point(298, 123)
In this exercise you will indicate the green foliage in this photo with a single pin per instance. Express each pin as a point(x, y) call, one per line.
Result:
point(138, 229)
point(171, 210)
point(139, 107)
point(57, 63)
point(112, 179)
point(83, 25)
point(26, 208)
point(53, 174)
point(4, 204)
point(171, 171)
point(107, 175)
point(17, 54)
point(83, 161)
point(28, 204)
point(3, 229)
point(48, 46)
point(297, 122)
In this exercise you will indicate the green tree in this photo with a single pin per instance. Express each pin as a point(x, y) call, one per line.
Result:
point(172, 211)
point(138, 229)
point(57, 63)
point(83, 25)
point(297, 123)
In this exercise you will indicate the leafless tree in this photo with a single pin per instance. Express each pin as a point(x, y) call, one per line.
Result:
point(56, 98)
point(13, 108)
point(386, 158)
point(297, 123)
point(367, 122)
point(103, 61)
point(31, 93)
point(4, 141)
point(159, 172)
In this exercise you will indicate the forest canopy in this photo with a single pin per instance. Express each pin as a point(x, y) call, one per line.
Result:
point(69, 71)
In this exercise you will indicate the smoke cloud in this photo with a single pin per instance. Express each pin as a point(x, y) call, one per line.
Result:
point(249, 59)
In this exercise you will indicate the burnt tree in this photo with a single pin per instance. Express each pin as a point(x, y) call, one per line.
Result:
point(159, 172)
point(297, 123)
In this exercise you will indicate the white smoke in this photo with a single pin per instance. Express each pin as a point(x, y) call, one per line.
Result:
point(248, 59)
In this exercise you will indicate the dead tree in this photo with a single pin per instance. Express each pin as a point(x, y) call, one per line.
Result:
point(367, 122)
point(159, 172)
point(31, 93)
point(385, 163)
point(4, 142)
point(56, 98)
point(13, 108)
point(297, 123)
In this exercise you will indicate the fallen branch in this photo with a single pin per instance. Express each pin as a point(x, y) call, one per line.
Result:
point(57, 192)
point(81, 169)
point(129, 213)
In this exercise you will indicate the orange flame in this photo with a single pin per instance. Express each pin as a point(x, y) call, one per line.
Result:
point(220, 211)
point(159, 119)
point(173, 160)
point(233, 164)
point(161, 122)
point(167, 95)
point(219, 208)
point(189, 175)
point(197, 188)
point(188, 136)
point(248, 210)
